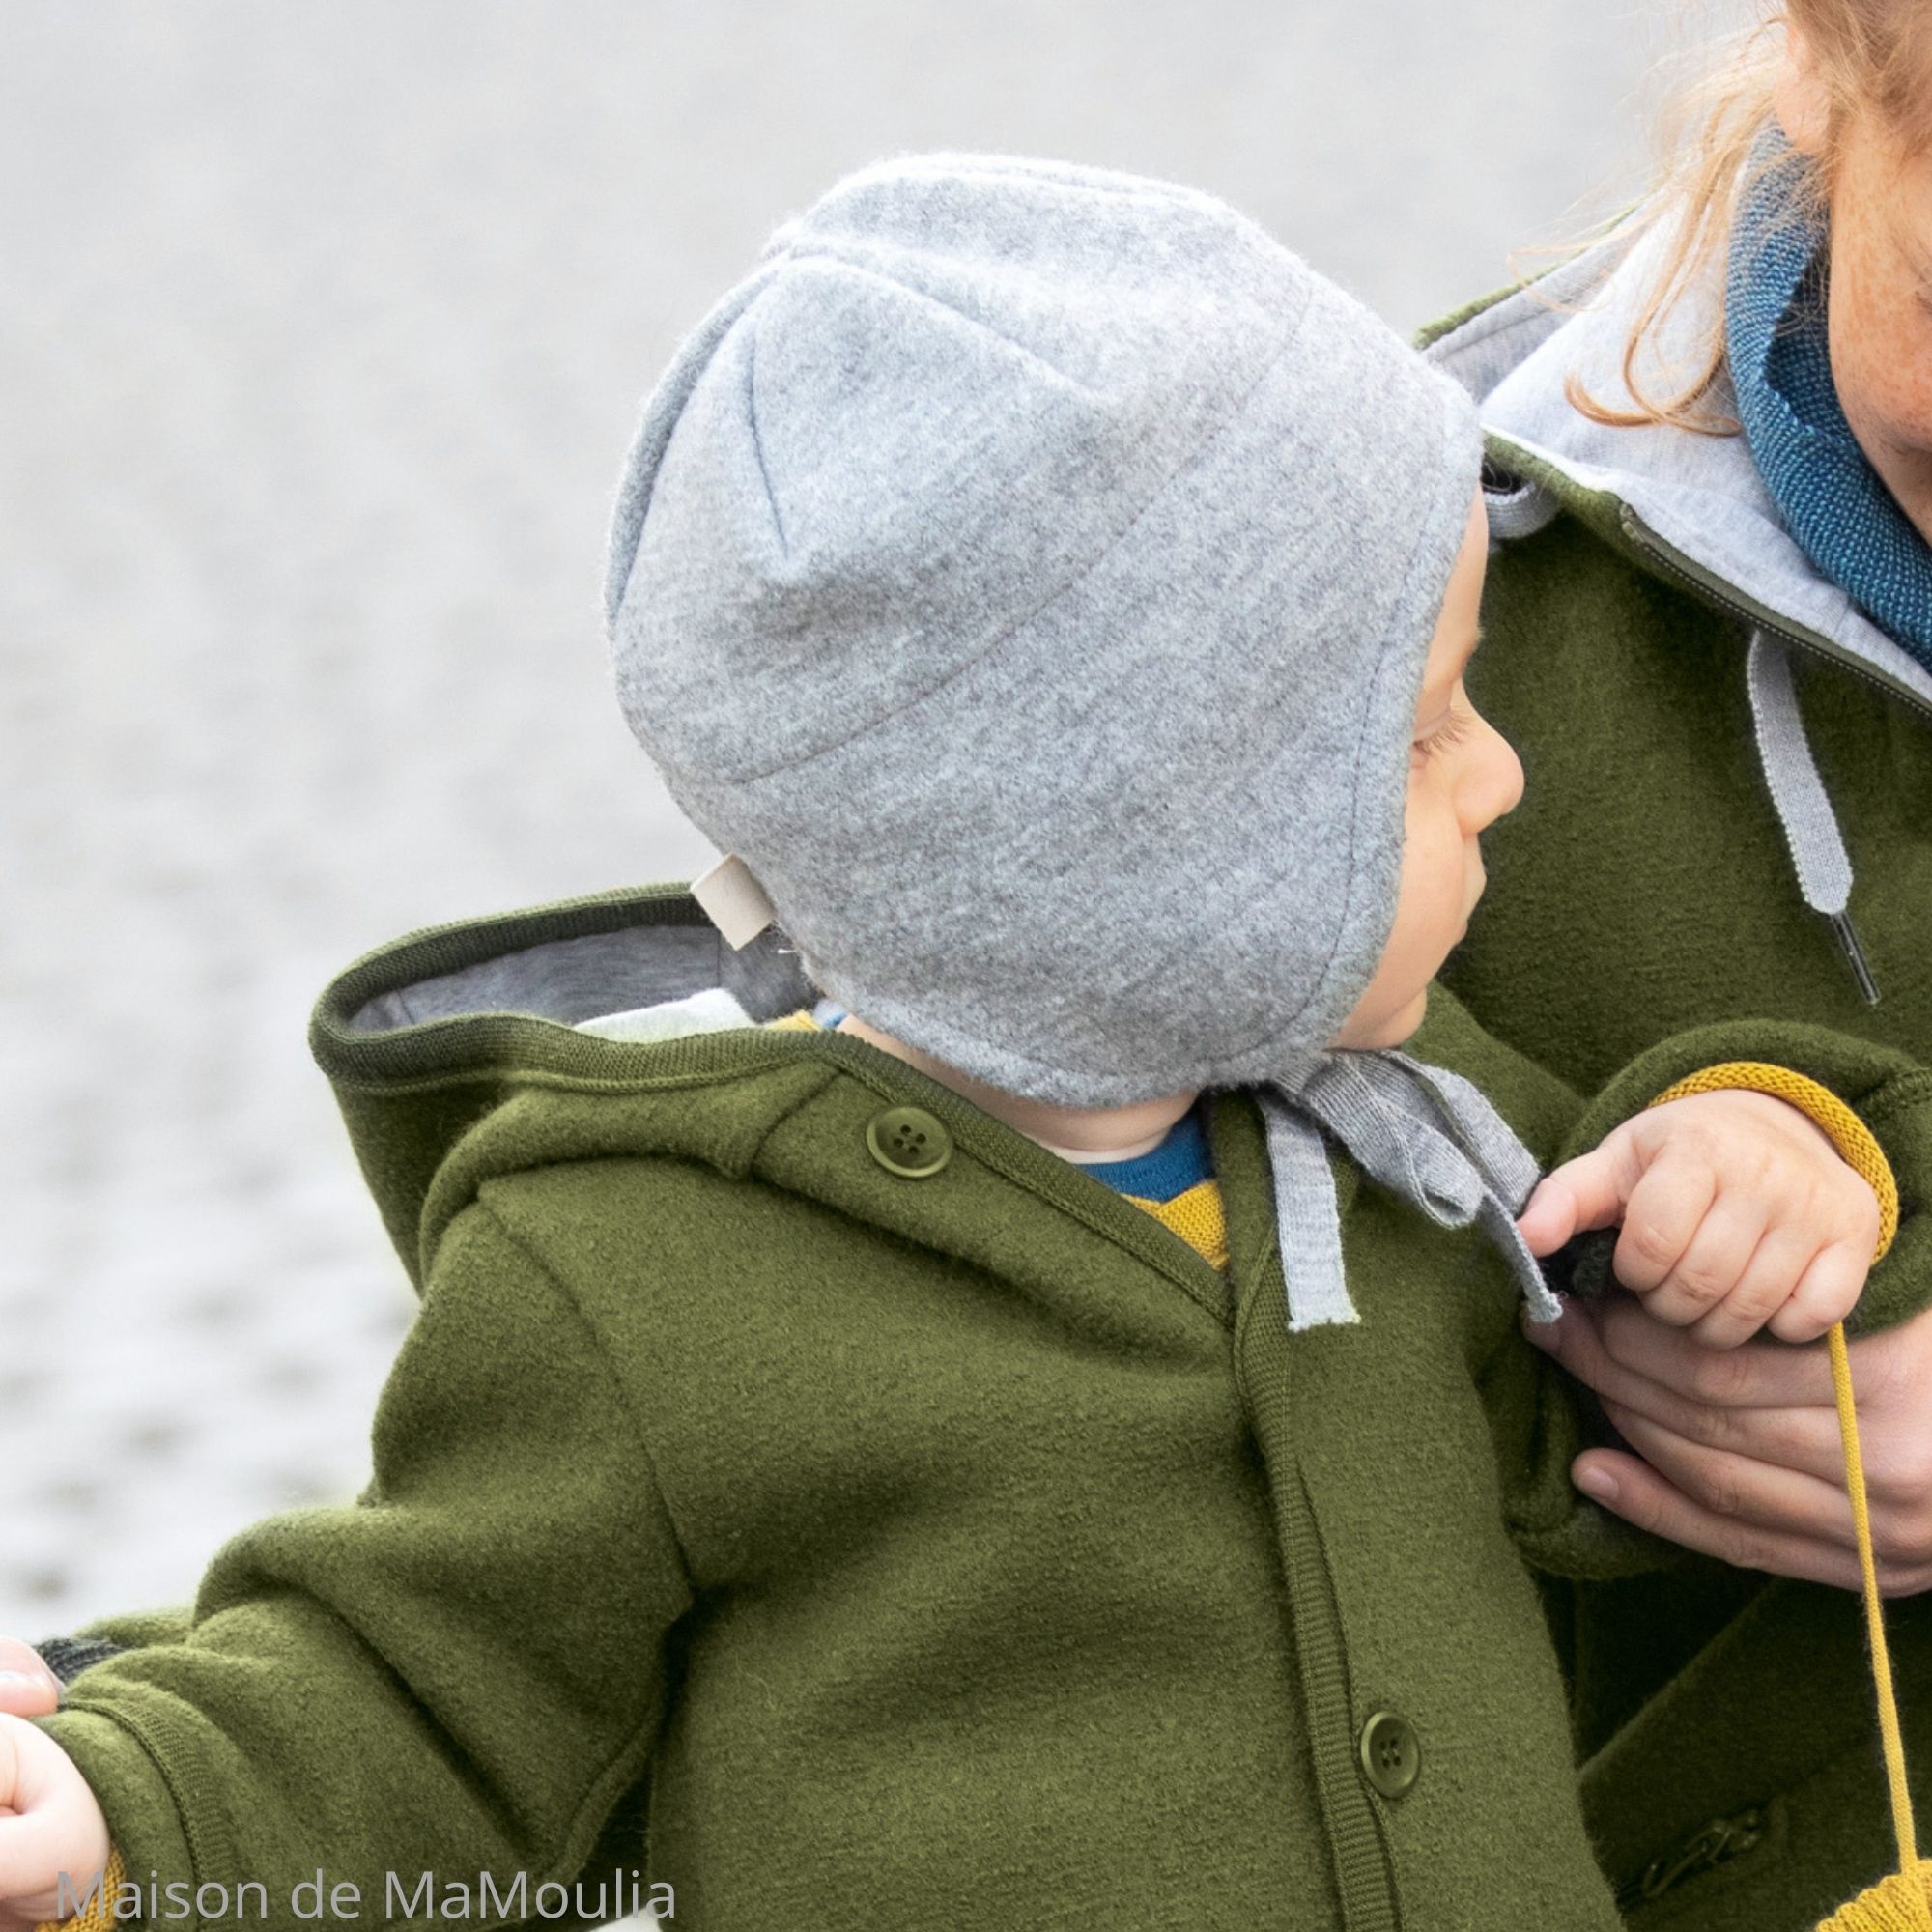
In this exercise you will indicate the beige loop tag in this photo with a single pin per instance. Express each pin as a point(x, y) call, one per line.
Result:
point(733, 901)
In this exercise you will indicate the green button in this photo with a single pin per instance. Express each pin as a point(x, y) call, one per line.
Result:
point(909, 1141)
point(1391, 1753)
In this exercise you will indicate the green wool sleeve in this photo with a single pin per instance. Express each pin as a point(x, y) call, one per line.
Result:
point(1541, 1419)
point(67, 1656)
point(1889, 1090)
point(460, 1673)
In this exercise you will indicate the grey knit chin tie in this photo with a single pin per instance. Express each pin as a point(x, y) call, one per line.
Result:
point(1420, 1131)
point(1804, 807)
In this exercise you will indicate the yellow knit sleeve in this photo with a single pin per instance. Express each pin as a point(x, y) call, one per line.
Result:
point(99, 1915)
point(1849, 1134)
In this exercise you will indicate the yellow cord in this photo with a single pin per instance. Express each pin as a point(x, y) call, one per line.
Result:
point(1887, 1709)
point(1904, 1900)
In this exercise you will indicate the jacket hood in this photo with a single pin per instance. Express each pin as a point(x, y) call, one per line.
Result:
point(430, 1034)
point(1671, 498)
point(488, 1046)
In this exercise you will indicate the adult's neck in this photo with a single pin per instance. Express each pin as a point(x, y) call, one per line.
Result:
point(1074, 1133)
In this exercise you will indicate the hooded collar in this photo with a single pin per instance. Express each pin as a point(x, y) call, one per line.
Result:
point(1688, 507)
point(430, 1036)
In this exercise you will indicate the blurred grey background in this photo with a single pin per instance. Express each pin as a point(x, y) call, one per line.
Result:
point(323, 334)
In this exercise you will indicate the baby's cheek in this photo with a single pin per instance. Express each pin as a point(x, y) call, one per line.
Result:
point(1435, 868)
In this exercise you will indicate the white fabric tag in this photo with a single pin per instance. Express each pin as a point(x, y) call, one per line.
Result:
point(711, 1010)
point(733, 901)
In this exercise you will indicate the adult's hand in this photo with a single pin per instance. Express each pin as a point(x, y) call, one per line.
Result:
point(1738, 1451)
point(28, 1689)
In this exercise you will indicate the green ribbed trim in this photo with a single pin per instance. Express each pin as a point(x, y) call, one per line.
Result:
point(1361, 1862)
point(1600, 512)
point(151, 1815)
point(1264, 1375)
point(474, 1043)
point(1433, 332)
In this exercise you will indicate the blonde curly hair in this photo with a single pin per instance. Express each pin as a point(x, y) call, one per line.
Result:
point(1871, 58)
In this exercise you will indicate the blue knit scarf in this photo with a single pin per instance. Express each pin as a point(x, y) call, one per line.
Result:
point(1835, 505)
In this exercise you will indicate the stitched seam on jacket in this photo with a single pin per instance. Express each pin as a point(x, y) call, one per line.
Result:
point(603, 1352)
point(620, 1769)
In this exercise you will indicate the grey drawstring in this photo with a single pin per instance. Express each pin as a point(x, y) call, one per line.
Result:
point(1804, 806)
point(1422, 1132)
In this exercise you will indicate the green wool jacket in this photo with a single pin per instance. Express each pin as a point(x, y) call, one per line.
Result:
point(1644, 885)
point(838, 1544)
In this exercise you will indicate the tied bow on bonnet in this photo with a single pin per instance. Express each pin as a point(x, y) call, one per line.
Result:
point(1420, 1131)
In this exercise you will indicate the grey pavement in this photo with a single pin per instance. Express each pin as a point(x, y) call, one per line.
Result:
point(323, 332)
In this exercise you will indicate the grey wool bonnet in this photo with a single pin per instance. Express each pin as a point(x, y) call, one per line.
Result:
point(1028, 571)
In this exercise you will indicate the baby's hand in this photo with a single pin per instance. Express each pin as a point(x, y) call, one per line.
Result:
point(49, 1824)
point(27, 1687)
point(1739, 1213)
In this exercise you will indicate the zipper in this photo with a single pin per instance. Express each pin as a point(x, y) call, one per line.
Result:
point(1711, 589)
point(1709, 1846)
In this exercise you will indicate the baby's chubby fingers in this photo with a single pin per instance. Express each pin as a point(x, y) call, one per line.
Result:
point(28, 1689)
point(49, 1824)
point(1738, 1214)
point(1661, 1198)
point(1774, 1173)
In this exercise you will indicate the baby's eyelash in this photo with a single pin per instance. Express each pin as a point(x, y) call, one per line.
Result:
point(1452, 733)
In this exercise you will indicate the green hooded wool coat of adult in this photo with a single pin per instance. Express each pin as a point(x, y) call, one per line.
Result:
point(841, 1547)
point(1644, 885)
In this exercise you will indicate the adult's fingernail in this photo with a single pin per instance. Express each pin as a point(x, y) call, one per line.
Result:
point(1598, 1482)
point(20, 1677)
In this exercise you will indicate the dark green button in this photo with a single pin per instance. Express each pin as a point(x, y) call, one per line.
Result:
point(909, 1141)
point(1391, 1753)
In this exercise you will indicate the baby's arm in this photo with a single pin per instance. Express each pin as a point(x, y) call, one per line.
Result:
point(1541, 1418)
point(460, 1673)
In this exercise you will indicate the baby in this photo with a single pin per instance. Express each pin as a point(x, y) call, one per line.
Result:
point(983, 1386)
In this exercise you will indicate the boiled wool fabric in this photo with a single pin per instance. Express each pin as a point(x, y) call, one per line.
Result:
point(949, 548)
point(1832, 502)
point(1173, 1182)
point(1642, 889)
point(877, 1573)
